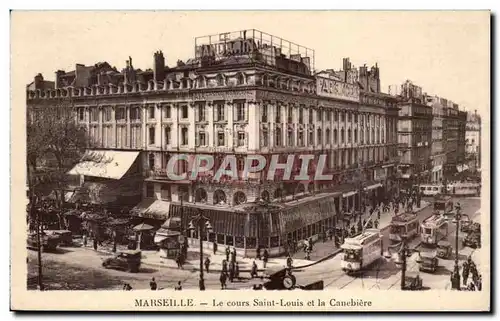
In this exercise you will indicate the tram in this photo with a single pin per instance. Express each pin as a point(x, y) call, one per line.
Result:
point(361, 251)
point(405, 225)
point(434, 229)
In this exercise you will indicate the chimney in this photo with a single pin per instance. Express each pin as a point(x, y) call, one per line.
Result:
point(58, 82)
point(346, 64)
point(159, 66)
point(38, 81)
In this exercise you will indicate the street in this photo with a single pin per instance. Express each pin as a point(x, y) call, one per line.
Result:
point(81, 268)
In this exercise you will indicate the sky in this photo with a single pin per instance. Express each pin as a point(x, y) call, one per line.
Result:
point(446, 53)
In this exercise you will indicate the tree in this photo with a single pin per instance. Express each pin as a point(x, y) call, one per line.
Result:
point(55, 142)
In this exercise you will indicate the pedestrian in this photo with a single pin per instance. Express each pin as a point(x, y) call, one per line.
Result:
point(258, 252)
point(233, 255)
point(127, 287)
point(207, 265)
point(231, 271)
point(178, 287)
point(224, 266)
point(222, 279)
point(265, 257)
point(178, 260)
point(330, 234)
point(289, 262)
point(227, 253)
point(253, 271)
point(84, 239)
point(95, 244)
point(376, 223)
point(153, 284)
point(215, 247)
point(237, 271)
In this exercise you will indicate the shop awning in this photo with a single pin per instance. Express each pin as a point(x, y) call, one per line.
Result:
point(105, 164)
point(152, 208)
point(351, 193)
point(437, 168)
point(373, 186)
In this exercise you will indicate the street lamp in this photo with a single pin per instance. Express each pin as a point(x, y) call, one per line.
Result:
point(455, 277)
point(403, 252)
point(200, 223)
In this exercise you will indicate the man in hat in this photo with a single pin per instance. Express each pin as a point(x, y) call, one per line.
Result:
point(153, 284)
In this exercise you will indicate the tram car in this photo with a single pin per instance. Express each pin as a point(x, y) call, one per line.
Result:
point(405, 225)
point(361, 251)
point(433, 230)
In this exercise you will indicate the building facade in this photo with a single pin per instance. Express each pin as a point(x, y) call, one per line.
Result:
point(415, 125)
point(438, 154)
point(244, 95)
point(473, 141)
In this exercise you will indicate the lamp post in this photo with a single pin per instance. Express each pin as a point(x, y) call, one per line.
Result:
point(455, 278)
point(403, 253)
point(201, 224)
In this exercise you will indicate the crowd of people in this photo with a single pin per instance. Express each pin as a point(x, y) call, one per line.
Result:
point(469, 269)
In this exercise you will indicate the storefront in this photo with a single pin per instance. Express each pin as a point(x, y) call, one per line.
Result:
point(249, 226)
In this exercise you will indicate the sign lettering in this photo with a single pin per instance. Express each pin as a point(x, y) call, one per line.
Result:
point(229, 48)
point(337, 89)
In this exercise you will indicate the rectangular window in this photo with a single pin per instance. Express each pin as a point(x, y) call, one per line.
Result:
point(94, 114)
point(220, 139)
point(264, 113)
point(265, 138)
point(202, 139)
point(278, 114)
point(328, 115)
point(184, 111)
point(120, 114)
point(135, 113)
point(151, 112)
point(165, 193)
point(201, 113)
point(151, 135)
point(310, 116)
point(310, 141)
point(168, 111)
point(240, 111)
point(107, 114)
point(319, 115)
point(290, 114)
point(184, 136)
point(290, 138)
point(301, 116)
point(167, 135)
point(81, 114)
point(219, 108)
point(241, 138)
point(301, 139)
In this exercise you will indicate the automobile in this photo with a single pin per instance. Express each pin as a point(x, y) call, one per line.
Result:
point(128, 260)
point(65, 236)
point(472, 240)
point(428, 262)
point(465, 226)
point(49, 242)
point(444, 249)
point(413, 282)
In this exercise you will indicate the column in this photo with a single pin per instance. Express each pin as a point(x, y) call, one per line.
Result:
point(272, 110)
point(253, 125)
point(210, 132)
point(101, 120)
point(192, 126)
point(129, 127)
point(295, 121)
point(230, 124)
point(175, 132)
point(144, 122)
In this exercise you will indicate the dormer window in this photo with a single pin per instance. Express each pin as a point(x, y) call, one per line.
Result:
point(220, 80)
point(240, 79)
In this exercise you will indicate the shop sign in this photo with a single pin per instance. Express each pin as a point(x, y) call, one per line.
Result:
point(336, 89)
point(380, 174)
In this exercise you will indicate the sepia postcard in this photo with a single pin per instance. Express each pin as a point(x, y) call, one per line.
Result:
point(250, 161)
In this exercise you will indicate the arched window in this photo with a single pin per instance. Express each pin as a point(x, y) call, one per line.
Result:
point(265, 196)
point(219, 197)
point(200, 195)
point(335, 136)
point(328, 136)
point(342, 136)
point(349, 136)
point(320, 136)
point(239, 198)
